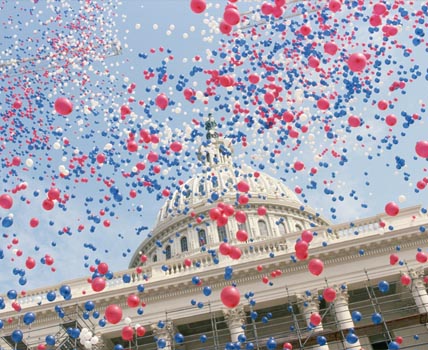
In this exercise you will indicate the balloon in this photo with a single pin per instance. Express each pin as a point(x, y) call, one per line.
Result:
point(162, 101)
point(176, 146)
point(17, 336)
point(133, 300)
point(383, 286)
point(321, 340)
point(127, 333)
point(335, 5)
point(376, 318)
point(48, 204)
point(198, 6)
point(354, 121)
point(307, 236)
point(113, 314)
point(63, 106)
point(421, 149)
point(207, 291)
point(161, 343)
point(405, 280)
point(179, 338)
point(29, 318)
point(89, 305)
point(50, 340)
point(215, 213)
point(261, 210)
point(65, 290)
point(98, 284)
point(242, 236)
point(141, 331)
point(288, 346)
point(315, 319)
point(224, 248)
point(421, 257)
point(391, 120)
point(242, 186)
point(187, 262)
point(316, 266)
point(271, 344)
point(329, 294)
point(30, 263)
point(231, 16)
point(235, 253)
point(393, 259)
point(102, 268)
point(357, 62)
point(356, 316)
point(392, 209)
point(6, 201)
point(330, 48)
point(351, 338)
point(230, 296)
point(301, 246)
point(393, 346)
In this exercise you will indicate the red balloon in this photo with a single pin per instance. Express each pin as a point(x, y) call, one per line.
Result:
point(393, 259)
point(141, 331)
point(176, 146)
point(307, 236)
point(382, 105)
point(302, 255)
point(421, 257)
point(54, 194)
point(224, 248)
point(187, 262)
point(228, 209)
point(329, 295)
point(162, 101)
point(287, 346)
point(357, 62)
point(315, 319)
point(392, 209)
point(230, 296)
point(133, 300)
point(354, 121)
point(242, 186)
point(330, 48)
point(48, 204)
point(421, 149)
point(102, 268)
point(63, 106)
point(30, 263)
point(261, 210)
point(391, 120)
point(34, 222)
point(98, 284)
point(405, 280)
point(301, 246)
point(41, 347)
point(222, 220)
point(113, 314)
point(243, 199)
point(215, 213)
point(335, 5)
point(313, 62)
point(240, 216)
point(253, 78)
point(143, 258)
point(323, 104)
point(6, 201)
point(225, 27)
point(235, 253)
point(242, 236)
point(198, 6)
point(379, 8)
point(298, 165)
point(315, 266)
point(127, 333)
point(399, 340)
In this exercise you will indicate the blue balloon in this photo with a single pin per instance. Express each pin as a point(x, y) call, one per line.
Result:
point(126, 278)
point(179, 338)
point(196, 280)
point(65, 290)
point(118, 347)
point(89, 305)
point(207, 291)
point(1, 324)
point(271, 344)
point(17, 336)
point(102, 322)
point(250, 346)
point(321, 340)
point(393, 346)
point(203, 338)
point(356, 316)
point(12, 294)
point(29, 318)
point(50, 340)
point(242, 338)
point(161, 343)
point(377, 318)
point(351, 338)
point(383, 286)
point(7, 221)
point(51, 296)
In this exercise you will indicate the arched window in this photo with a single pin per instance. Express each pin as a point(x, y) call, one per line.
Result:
point(183, 243)
point(242, 226)
point(168, 252)
point(222, 234)
point(202, 237)
point(282, 229)
point(154, 258)
point(263, 229)
point(298, 227)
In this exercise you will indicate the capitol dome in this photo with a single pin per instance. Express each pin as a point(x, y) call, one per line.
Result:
point(183, 227)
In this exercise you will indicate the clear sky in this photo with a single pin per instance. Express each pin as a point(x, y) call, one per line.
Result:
point(117, 56)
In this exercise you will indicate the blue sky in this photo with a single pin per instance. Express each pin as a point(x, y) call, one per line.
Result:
point(65, 49)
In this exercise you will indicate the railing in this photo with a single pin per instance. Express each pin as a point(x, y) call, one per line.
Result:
point(258, 248)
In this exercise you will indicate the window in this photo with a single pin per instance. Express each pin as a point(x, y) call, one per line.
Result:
point(168, 252)
point(222, 234)
point(202, 237)
point(282, 230)
point(201, 188)
point(215, 181)
point(263, 229)
point(243, 227)
point(298, 227)
point(154, 258)
point(183, 243)
point(378, 342)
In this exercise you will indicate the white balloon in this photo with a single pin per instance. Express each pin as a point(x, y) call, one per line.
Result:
point(29, 162)
point(94, 340)
point(88, 344)
point(402, 198)
point(127, 320)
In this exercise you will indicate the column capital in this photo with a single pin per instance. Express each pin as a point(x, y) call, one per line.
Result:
point(234, 316)
point(308, 302)
point(415, 273)
point(341, 293)
point(167, 330)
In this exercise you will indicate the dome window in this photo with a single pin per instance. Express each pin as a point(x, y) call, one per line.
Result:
point(222, 234)
point(183, 244)
point(282, 229)
point(202, 237)
point(168, 252)
point(263, 229)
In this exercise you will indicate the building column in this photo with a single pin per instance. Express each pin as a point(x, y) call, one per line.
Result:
point(343, 315)
point(235, 319)
point(308, 304)
point(165, 331)
point(418, 290)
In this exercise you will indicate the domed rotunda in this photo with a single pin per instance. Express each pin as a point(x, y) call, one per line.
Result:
point(183, 227)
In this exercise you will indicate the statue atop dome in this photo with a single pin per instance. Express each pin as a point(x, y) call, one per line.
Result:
point(215, 151)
